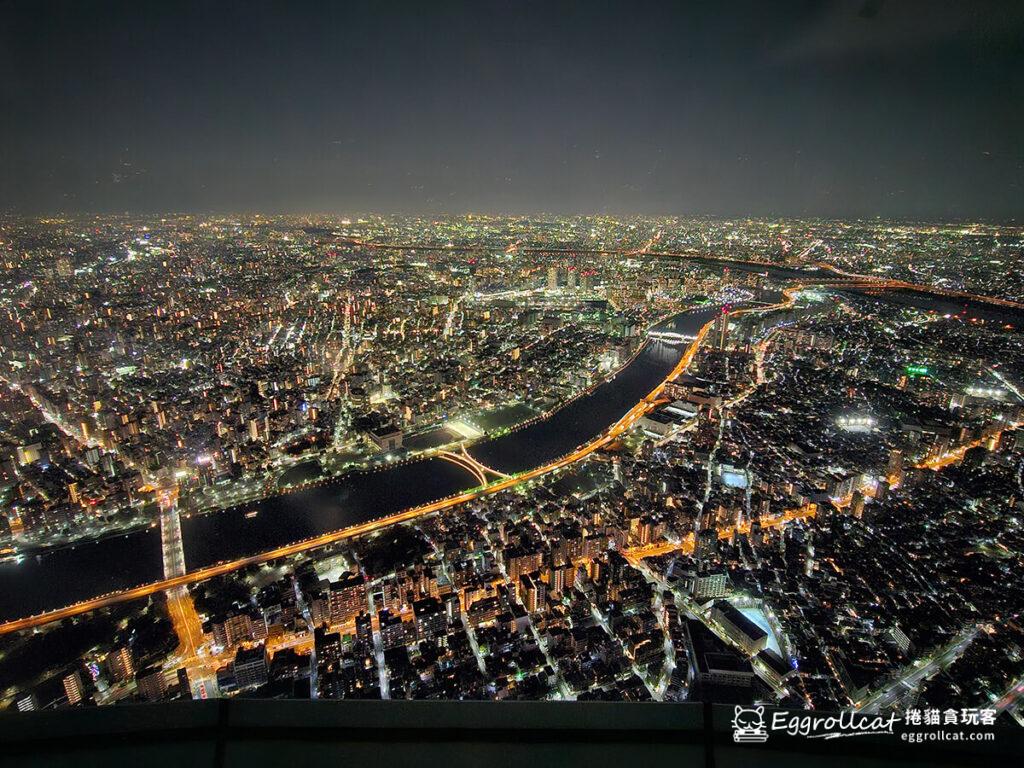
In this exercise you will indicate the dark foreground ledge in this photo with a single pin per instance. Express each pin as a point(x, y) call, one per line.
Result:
point(253, 733)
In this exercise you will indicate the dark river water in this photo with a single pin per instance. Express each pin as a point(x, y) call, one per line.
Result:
point(62, 577)
point(585, 418)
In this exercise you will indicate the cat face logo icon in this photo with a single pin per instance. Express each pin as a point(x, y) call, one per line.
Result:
point(748, 725)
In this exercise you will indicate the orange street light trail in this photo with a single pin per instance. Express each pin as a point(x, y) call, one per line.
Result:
point(201, 574)
point(625, 422)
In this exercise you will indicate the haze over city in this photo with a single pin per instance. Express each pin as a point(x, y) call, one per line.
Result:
point(568, 354)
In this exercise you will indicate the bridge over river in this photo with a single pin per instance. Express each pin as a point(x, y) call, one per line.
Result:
point(64, 577)
point(65, 581)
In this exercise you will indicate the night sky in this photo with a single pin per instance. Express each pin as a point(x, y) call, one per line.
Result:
point(838, 109)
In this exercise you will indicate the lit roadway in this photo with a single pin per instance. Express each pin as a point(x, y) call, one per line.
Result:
point(685, 545)
point(201, 574)
point(920, 670)
point(1008, 701)
point(624, 424)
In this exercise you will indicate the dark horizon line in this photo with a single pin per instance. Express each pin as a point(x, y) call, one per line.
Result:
point(993, 221)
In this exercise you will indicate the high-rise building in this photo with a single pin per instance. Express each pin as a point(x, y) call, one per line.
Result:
point(530, 592)
point(250, 666)
point(552, 278)
point(899, 638)
point(121, 665)
point(707, 546)
point(239, 628)
point(328, 647)
point(722, 329)
point(484, 611)
point(346, 598)
point(452, 605)
point(151, 684)
point(559, 576)
point(364, 629)
point(710, 586)
point(431, 619)
point(519, 562)
point(73, 687)
point(393, 631)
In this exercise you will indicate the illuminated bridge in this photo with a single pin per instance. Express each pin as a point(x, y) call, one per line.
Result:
point(463, 459)
point(115, 570)
point(238, 537)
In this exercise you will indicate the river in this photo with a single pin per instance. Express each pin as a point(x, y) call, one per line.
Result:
point(62, 577)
